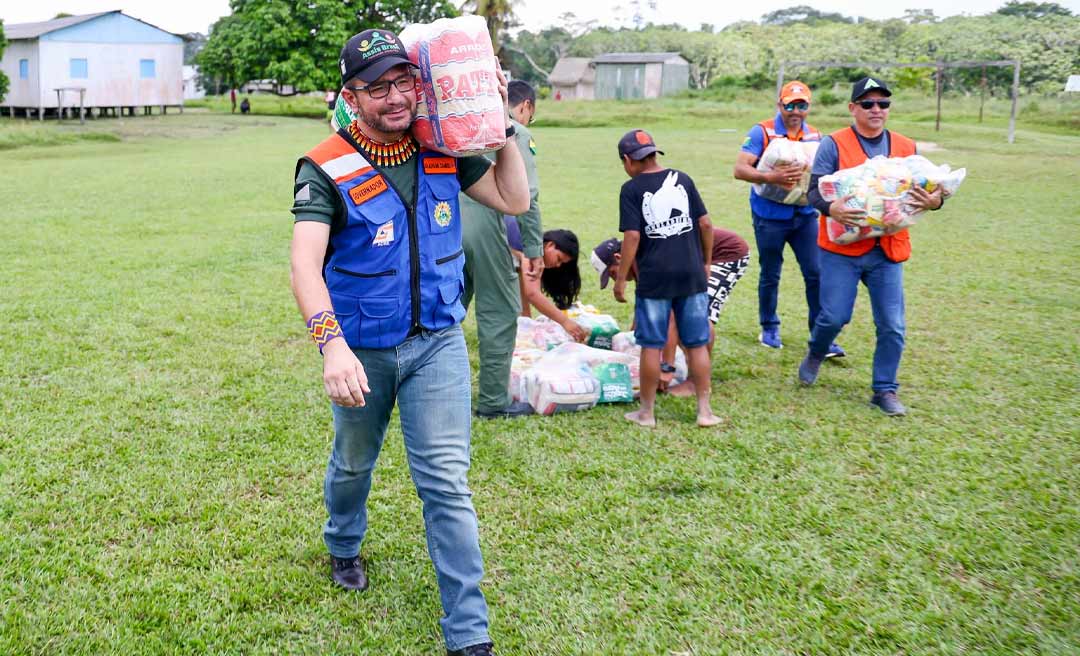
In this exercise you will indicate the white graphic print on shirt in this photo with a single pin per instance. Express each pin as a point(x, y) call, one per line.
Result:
point(667, 212)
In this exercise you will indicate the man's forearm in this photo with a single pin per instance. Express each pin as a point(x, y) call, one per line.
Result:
point(510, 179)
point(813, 195)
point(628, 253)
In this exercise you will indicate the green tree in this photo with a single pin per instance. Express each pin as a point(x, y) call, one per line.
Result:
point(298, 42)
point(3, 78)
point(1032, 9)
point(499, 15)
point(802, 14)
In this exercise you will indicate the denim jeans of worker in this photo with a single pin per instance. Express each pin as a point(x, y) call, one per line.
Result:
point(771, 235)
point(428, 377)
point(651, 317)
point(884, 279)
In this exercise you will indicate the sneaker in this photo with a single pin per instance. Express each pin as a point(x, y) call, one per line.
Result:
point(809, 367)
point(888, 403)
point(515, 409)
point(349, 573)
point(483, 649)
point(835, 351)
point(771, 337)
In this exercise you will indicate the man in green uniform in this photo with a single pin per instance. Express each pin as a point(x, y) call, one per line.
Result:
point(490, 274)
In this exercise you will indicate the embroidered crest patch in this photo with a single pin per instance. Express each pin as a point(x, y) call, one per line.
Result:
point(443, 215)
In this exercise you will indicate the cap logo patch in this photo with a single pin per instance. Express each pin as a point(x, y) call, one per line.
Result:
point(870, 84)
point(642, 138)
point(379, 43)
point(796, 89)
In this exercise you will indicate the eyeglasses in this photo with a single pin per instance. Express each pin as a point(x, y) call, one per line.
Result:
point(378, 90)
point(869, 104)
point(798, 105)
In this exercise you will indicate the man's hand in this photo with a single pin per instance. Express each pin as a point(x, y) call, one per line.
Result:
point(849, 216)
point(343, 375)
point(921, 199)
point(502, 88)
point(786, 176)
point(620, 291)
point(534, 267)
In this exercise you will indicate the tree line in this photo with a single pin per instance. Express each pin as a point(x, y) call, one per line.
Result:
point(297, 42)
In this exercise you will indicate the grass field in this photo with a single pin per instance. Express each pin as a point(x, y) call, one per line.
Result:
point(163, 431)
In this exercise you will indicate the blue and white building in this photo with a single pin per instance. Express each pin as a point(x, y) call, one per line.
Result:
point(115, 62)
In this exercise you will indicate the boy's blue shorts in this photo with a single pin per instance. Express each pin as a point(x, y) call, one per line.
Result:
point(691, 318)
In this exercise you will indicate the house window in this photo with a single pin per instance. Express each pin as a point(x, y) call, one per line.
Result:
point(79, 69)
point(147, 69)
point(24, 69)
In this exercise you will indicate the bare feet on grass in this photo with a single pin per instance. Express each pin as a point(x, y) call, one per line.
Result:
point(642, 418)
point(707, 419)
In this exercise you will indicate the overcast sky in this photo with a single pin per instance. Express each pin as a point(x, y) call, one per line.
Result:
point(197, 15)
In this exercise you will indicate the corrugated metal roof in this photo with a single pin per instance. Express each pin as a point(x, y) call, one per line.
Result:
point(34, 30)
point(640, 58)
point(571, 70)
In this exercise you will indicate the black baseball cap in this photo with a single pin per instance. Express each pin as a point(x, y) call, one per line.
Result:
point(370, 54)
point(637, 144)
point(866, 85)
point(603, 256)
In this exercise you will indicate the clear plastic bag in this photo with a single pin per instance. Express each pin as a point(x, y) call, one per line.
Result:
point(881, 186)
point(784, 152)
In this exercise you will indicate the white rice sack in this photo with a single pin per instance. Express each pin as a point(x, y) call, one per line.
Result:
point(552, 387)
point(459, 109)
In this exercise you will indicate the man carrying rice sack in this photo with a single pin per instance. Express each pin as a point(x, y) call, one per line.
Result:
point(776, 222)
point(377, 274)
point(877, 263)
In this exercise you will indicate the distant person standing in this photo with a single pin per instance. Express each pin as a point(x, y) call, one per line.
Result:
point(877, 263)
point(232, 98)
point(331, 103)
point(777, 224)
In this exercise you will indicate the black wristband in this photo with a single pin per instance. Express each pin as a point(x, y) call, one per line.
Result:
point(510, 130)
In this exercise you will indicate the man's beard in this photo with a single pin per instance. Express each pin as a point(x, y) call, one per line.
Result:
point(377, 121)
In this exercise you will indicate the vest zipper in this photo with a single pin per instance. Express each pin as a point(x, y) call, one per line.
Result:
point(444, 260)
point(380, 274)
point(414, 246)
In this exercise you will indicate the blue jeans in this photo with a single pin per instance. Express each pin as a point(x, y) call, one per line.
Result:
point(428, 377)
point(771, 235)
point(651, 317)
point(884, 279)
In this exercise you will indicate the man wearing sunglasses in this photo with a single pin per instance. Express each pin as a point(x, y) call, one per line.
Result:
point(377, 273)
point(777, 224)
point(877, 263)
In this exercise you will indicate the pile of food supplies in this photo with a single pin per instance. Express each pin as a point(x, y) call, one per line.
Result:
point(553, 373)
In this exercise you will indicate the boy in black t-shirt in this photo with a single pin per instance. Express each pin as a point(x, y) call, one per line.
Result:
point(668, 234)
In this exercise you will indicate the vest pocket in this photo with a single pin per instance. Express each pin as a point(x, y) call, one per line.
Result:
point(444, 205)
point(450, 295)
point(378, 314)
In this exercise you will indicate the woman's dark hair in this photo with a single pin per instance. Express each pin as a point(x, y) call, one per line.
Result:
point(562, 283)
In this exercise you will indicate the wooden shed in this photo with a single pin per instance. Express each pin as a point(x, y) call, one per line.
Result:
point(110, 61)
point(573, 78)
point(631, 75)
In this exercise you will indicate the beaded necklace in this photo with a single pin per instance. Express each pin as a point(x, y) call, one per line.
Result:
point(384, 155)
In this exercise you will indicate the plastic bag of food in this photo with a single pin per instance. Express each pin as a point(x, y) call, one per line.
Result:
point(539, 333)
point(552, 386)
point(522, 361)
point(881, 187)
point(616, 384)
point(601, 327)
point(459, 110)
point(783, 152)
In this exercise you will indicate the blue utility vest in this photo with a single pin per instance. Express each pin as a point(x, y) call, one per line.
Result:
point(387, 272)
point(769, 209)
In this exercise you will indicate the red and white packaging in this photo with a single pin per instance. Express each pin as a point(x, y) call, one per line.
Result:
point(459, 109)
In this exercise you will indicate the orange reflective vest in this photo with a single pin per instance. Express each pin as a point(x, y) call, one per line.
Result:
point(897, 247)
point(768, 126)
